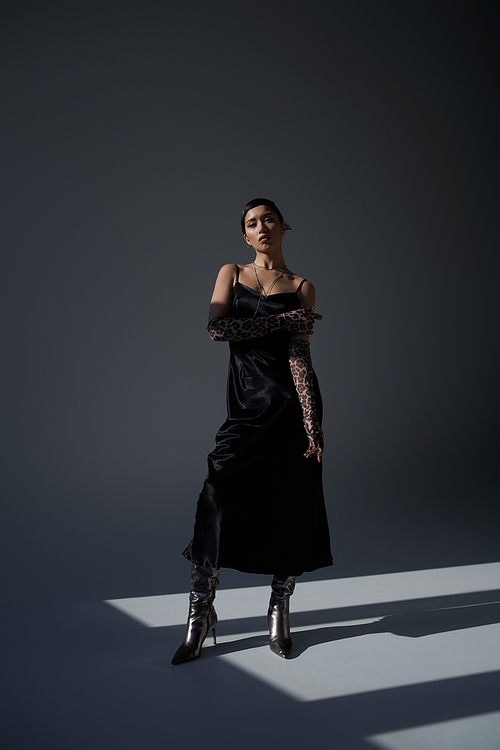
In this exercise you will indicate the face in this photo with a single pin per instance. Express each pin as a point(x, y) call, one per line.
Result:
point(263, 229)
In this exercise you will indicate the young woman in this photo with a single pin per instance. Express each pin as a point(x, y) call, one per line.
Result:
point(261, 509)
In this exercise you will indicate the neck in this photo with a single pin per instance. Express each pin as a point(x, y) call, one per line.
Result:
point(270, 261)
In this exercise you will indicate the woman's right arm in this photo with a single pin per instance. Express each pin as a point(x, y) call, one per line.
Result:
point(221, 327)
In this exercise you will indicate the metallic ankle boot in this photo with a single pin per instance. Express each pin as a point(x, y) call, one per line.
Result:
point(202, 617)
point(277, 616)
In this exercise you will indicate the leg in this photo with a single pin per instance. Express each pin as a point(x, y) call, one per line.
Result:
point(277, 616)
point(202, 617)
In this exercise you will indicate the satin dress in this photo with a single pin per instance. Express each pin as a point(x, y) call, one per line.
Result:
point(261, 509)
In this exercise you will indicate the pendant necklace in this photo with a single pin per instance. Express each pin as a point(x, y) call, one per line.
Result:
point(263, 294)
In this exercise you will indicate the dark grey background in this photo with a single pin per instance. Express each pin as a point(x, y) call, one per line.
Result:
point(131, 136)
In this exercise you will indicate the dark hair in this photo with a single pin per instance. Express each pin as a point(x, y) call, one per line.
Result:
point(261, 202)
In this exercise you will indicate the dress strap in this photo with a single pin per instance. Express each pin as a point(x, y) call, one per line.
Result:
point(300, 286)
point(237, 274)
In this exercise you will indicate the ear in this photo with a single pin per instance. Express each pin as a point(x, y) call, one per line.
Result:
point(247, 240)
point(283, 228)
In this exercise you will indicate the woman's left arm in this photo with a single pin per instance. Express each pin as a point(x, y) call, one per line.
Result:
point(301, 368)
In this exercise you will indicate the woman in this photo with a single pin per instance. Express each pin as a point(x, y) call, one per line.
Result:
point(261, 509)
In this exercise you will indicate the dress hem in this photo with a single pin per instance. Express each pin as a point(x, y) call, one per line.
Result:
point(267, 571)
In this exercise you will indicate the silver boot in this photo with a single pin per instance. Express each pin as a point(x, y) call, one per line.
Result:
point(202, 617)
point(278, 616)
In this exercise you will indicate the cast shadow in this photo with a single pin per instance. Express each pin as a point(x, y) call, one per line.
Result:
point(466, 611)
point(406, 624)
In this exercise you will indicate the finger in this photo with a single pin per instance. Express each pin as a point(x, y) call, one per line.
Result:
point(311, 454)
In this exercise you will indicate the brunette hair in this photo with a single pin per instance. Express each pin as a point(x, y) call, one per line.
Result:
point(261, 202)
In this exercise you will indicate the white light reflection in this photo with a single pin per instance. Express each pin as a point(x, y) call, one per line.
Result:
point(170, 609)
point(471, 733)
point(360, 656)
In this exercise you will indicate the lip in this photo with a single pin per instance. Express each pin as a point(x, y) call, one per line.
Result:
point(264, 238)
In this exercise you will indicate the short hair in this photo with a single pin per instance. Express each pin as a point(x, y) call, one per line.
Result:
point(261, 202)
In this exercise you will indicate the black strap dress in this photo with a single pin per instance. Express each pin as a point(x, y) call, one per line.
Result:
point(261, 509)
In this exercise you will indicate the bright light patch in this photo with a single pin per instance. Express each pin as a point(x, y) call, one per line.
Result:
point(358, 656)
point(232, 604)
point(354, 664)
point(471, 733)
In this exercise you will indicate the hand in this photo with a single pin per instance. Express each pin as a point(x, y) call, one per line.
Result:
point(315, 448)
point(299, 321)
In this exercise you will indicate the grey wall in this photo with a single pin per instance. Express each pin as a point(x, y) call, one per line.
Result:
point(131, 136)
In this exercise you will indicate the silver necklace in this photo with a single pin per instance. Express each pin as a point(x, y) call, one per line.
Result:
point(266, 267)
point(263, 294)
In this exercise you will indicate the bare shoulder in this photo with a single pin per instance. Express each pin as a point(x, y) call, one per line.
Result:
point(228, 271)
point(305, 289)
point(307, 294)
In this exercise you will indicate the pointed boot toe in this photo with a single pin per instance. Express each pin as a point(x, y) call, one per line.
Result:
point(281, 648)
point(185, 652)
point(200, 624)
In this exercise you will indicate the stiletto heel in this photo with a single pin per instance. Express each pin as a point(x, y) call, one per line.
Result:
point(280, 641)
point(202, 617)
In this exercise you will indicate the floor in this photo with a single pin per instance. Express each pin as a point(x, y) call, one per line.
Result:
point(404, 661)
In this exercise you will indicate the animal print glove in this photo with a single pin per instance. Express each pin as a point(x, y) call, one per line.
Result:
point(239, 329)
point(302, 373)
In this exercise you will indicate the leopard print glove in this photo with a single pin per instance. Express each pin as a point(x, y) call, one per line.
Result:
point(239, 329)
point(302, 373)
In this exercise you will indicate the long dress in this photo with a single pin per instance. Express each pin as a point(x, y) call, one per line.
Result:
point(261, 509)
